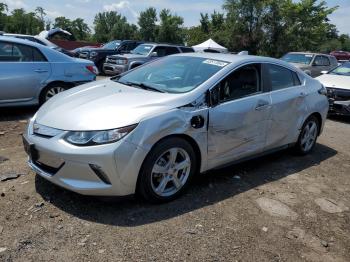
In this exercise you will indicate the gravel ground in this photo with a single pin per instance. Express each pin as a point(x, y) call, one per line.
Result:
point(277, 208)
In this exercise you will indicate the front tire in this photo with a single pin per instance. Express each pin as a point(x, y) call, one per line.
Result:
point(167, 170)
point(308, 136)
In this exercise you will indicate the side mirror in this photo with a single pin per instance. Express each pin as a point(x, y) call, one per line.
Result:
point(154, 54)
point(324, 72)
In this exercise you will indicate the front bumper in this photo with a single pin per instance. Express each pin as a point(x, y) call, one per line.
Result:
point(339, 101)
point(113, 69)
point(339, 107)
point(72, 167)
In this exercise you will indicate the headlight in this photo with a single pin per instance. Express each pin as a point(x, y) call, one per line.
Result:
point(93, 54)
point(88, 138)
point(121, 62)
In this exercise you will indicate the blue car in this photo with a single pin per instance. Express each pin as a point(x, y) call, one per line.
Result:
point(31, 73)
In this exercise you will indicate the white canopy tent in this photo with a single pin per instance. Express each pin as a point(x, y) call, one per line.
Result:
point(210, 45)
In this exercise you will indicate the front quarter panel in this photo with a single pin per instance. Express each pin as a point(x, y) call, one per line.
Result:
point(174, 122)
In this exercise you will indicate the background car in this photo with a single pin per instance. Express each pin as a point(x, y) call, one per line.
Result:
point(149, 132)
point(31, 73)
point(144, 53)
point(98, 55)
point(311, 63)
point(40, 40)
point(337, 83)
point(341, 56)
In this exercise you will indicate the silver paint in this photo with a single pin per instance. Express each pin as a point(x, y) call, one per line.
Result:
point(232, 130)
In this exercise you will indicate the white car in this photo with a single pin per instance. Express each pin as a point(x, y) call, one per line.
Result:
point(337, 83)
point(149, 130)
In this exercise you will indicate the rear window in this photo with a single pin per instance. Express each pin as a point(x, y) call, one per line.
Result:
point(281, 77)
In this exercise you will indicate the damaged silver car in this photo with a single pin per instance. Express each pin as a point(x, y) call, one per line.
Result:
point(148, 131)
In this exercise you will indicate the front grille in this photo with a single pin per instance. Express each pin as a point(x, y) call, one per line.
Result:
point(338, 94)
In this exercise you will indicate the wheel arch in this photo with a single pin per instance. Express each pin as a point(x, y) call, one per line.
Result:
point(185, 137)
point(53, 83)
point(135, 64)
point(319, 118)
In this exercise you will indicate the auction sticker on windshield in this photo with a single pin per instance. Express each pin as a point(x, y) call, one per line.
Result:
point(215, 62)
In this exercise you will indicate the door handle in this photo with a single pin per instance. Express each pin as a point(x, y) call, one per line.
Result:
point(302, 94)
point(41, 70)
point(261, 105)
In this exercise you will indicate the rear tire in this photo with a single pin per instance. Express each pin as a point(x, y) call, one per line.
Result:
point(52, 90)
point(167, 171)
point(308, 136)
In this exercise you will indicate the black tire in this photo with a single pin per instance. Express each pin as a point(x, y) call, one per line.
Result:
point(100, 68)
point(299, 147)
point(145, 185)
point(45, 93)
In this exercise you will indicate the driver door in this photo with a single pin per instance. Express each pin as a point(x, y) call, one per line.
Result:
point(238, 119)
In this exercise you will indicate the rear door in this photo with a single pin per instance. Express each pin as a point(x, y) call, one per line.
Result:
point(23, 71)
point(288, 105)
point(238, 123)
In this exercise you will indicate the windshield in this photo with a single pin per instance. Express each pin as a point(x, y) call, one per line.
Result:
point(173, 74)
point(142, 50)
point(343, 70)
point(111, 45)
point(298, 58)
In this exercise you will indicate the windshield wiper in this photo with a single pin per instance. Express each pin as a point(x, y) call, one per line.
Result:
point(143, 86)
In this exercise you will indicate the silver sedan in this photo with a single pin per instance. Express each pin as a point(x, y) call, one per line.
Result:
point(151, 129)
point(31, 73)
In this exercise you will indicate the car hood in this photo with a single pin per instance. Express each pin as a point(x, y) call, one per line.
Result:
point(103, 105)
point(336, 81)
point(130, 56)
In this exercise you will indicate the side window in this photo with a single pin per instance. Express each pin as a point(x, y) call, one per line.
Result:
point(19, 53)
point(170, 50)
point(123, 48)
point(326, 61)
point(281, 77)
point(6, 52)
point(38, 56)
point(132, 46)
point(321, 61)
point(160, 50)
point(296, 78)
point(242, 82)
point(186, 49)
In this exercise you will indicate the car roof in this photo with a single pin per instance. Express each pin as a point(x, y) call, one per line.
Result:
point(10, 34)
point(19, 41)
point(308, 53)
point(165, 44)
point(58, 56)
point(231, 58)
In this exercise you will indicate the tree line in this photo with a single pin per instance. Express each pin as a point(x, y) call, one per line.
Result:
point(264, 27)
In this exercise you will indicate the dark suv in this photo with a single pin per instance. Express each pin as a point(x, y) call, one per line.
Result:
point(98, 55)
point(117, 64)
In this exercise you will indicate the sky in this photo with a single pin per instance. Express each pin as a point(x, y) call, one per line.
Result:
point(189, 9)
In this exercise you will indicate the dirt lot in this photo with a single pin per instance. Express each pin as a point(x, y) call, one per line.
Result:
point(277, 208)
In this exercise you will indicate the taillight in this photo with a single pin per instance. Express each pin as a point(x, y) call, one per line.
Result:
point(92, 69)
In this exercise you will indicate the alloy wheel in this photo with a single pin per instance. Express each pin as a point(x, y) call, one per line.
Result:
point(309, 136)
point(53, 91)
point(170, 172)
